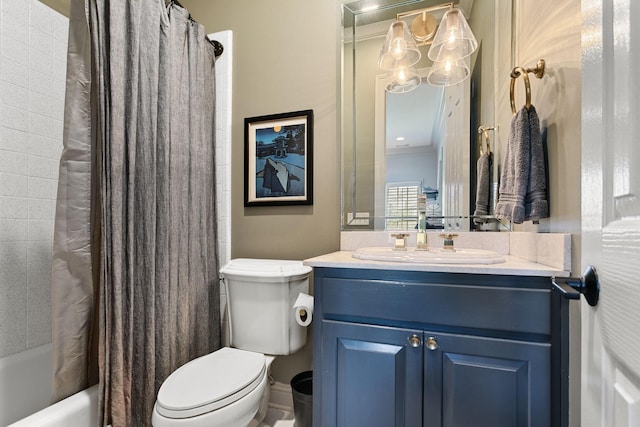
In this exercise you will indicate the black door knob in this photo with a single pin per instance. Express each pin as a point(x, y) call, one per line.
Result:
point(587, 285)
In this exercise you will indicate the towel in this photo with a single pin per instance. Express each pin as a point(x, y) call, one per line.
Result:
point(483, 187)
point(536, 205)
point(523, 181)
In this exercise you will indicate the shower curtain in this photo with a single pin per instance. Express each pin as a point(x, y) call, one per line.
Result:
point(135, 266)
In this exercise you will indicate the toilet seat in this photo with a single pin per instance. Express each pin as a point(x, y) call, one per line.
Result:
point(210, 382)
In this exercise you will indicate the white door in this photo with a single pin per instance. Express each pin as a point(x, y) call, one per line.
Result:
point(611, 211)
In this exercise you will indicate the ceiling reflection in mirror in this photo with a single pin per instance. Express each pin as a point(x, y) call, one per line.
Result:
point(409, 153)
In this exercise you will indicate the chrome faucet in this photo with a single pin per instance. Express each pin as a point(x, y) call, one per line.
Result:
point(421, 236)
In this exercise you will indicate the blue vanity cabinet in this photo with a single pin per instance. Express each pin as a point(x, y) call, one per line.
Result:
point(476, 381)
point(420, 349)
point(376, 373)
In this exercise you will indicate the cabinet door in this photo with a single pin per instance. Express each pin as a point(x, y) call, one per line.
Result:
point(485, 382)
point(371, 376)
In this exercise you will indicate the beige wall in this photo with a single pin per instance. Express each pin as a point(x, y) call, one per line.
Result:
point(285, 59)
point(61, 6)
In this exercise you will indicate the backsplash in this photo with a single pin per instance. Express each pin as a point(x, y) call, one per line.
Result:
point(551, 249)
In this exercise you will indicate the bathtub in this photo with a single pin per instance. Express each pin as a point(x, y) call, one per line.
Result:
point(25, 393)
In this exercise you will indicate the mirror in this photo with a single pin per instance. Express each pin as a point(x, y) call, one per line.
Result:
point(408, 137)
point(439, 125)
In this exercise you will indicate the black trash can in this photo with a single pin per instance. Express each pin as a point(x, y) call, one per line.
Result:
point(302, 389)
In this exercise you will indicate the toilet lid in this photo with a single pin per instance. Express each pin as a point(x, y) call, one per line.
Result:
point(265, 268)
point(210, 382)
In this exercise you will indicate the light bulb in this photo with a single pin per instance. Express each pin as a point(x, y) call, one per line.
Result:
point(402, 77)
point(454, 36)
point(447, 66)
point(399, 49)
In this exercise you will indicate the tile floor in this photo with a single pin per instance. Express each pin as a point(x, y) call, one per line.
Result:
point(277, 417)
point(280, 412)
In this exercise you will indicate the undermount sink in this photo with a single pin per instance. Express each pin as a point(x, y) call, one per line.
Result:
point(432, 256)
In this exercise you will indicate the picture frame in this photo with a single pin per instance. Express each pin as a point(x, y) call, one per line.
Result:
point(278, 159)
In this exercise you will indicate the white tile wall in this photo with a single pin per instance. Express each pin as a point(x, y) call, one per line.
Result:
point(223, 158)
point(33, 44)
point(223, 142)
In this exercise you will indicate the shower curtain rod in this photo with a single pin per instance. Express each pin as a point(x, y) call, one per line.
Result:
point(218, 48)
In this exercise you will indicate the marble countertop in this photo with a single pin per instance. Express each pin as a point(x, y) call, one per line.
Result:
point(513, 266)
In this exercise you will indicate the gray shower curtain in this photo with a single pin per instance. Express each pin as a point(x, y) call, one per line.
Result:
point(150, 244)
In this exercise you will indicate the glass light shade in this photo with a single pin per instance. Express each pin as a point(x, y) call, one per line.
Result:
point(398, 45)
point(403, 79)
point(449, 72)
point(454, 38)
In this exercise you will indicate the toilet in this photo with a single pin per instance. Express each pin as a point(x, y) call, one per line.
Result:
point(230, 387)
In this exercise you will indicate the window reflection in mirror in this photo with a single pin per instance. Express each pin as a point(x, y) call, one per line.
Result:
point(372, 165)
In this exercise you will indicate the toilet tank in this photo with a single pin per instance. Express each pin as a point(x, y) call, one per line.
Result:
point(260, 299)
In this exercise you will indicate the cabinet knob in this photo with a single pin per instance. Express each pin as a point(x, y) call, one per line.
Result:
point(432, 343)
point(414, 341)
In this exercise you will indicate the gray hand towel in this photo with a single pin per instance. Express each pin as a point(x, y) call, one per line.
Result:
point(483, 187)
point(536, 205)
point(523, 172)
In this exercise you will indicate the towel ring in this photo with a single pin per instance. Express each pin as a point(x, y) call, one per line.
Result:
point(538, 71)
point(484, 131)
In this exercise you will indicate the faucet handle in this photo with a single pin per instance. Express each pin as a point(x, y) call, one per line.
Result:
point(401, 241)
point(448, 241)
point(448, 235)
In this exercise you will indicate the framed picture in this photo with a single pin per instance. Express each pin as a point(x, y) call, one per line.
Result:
point(278, 159)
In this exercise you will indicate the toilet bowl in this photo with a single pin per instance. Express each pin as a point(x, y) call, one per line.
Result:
point(223, 388)
point(230, 387)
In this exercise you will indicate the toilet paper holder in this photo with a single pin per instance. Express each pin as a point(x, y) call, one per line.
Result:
point(303, 309)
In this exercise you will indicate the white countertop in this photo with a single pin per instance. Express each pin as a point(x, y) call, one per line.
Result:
point(513, 266)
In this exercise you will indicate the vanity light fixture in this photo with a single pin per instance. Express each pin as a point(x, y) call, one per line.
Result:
point(450, 49)
point(423, 27)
